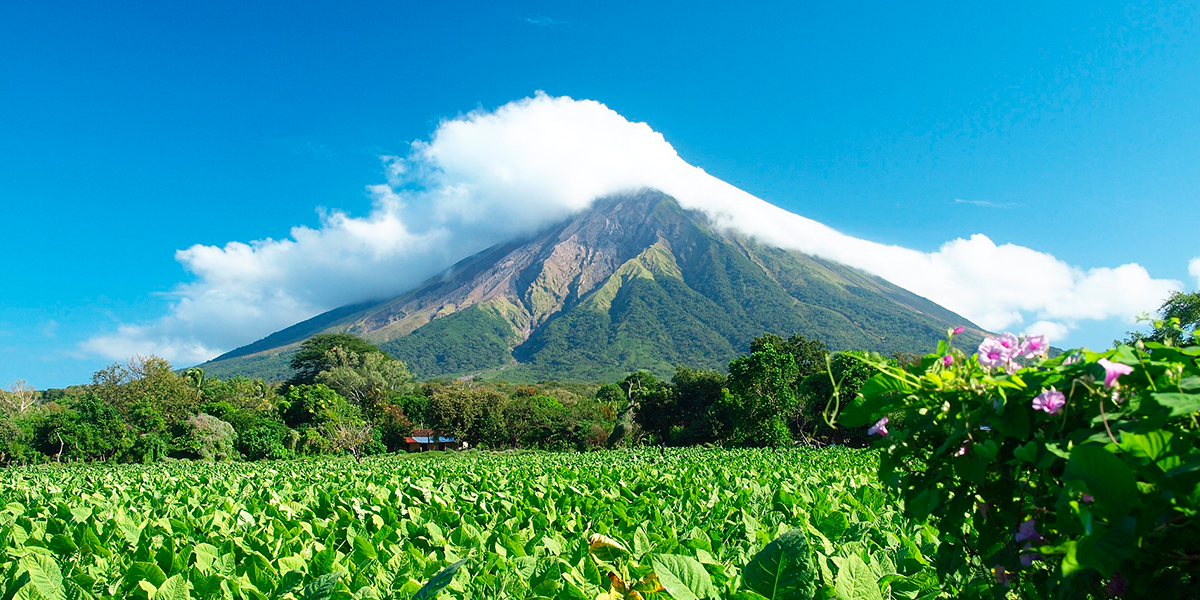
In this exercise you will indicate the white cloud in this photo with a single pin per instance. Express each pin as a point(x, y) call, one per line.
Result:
point(1194, 269)
point(487, 177)
point(1054, 332)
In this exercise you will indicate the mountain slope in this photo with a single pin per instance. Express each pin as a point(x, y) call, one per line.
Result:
point(635, 282)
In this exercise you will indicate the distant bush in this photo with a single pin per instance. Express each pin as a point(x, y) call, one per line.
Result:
point(266, 442)
point(207, 438)
point(148, 448)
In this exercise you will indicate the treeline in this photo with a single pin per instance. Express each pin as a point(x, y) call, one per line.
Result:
point(348, 396)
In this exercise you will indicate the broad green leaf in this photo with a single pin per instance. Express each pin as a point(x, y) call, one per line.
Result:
point(856, 581)
point(606, 548)
point(174, 588)
point(1178, 404)
point(439, 581)
point(74, 591)
point(683, 577)
point(1105, 551)
point(783, 570)
point(44, 576)
point(206, 555)
point(1105, 477)
point(876, 398)
point(833, 525)
point(321, 588)
point(363, 550)
point(641, 543)
point(1151, 446)
point(145, 571)
point(63, 545)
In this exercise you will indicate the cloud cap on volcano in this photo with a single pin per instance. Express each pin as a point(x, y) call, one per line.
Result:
point(491, 176)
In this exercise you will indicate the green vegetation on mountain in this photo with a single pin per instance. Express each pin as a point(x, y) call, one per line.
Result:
point(471, 340)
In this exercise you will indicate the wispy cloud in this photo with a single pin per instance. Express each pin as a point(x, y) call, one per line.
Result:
point(987, 203)
point(1194, 269)
point(543, 21)
point(49, 329)
point(491, 176)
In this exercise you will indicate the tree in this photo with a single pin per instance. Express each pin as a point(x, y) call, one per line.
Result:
point(1180, 321)
point(635, 388)
point(368, 379)
point(313, 356)
point(88, 429)
point(535, 420)
point(415, 407)
point(763, 397)
point(243, 392)
point(349, 436)
point(809, 355)
point(393, 426)
point(698, 394)
point(655, 408)
point(468, 413)
point(315, 404)
point(18, 398)
point(14, 441)
point(147, 379)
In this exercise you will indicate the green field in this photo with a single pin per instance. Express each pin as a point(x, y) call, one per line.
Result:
point(382, 529)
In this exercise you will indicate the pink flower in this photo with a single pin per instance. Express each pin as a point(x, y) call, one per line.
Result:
point(1050, 400)
point(993, 353)
point(880, 427)
point(1034, 346)
point(1086, 498)
point(962, 450)
point(1009, 341)
point(1112, 371)
point(1028, 531)
point(959, 329)
point(947, 360)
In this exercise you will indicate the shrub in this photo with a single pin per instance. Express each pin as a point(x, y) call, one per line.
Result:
point(207, 438)
point(147, 449)
point(265, 442)
point(14, 440)
point(392, 426)
point(1075, 476)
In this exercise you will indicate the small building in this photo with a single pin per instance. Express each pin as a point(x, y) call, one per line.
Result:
point(423, 440)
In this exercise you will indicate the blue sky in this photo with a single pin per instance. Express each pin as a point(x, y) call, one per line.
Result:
point(128, 133)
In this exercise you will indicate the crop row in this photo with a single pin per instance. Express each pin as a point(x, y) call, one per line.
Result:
point(622, 524)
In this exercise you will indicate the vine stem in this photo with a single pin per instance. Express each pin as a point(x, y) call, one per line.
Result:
point(1104, 419)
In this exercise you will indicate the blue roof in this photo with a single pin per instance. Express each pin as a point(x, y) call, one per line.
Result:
point(429, 440)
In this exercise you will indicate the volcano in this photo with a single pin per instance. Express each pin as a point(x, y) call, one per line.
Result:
point(634, 282)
